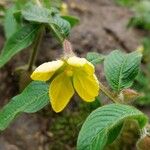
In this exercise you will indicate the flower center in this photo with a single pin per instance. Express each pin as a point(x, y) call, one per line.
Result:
point(69, 72)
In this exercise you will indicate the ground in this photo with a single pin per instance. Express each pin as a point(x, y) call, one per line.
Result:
point(102, 28)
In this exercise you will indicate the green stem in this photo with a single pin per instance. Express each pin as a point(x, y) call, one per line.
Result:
point(36, 45)
point(108, 93)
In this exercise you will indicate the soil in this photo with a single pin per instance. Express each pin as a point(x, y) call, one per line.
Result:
point(102, 28)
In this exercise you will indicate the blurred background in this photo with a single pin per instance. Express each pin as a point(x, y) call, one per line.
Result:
point(105, 25)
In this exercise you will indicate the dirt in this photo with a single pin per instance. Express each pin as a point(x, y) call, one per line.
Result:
point(102, 28)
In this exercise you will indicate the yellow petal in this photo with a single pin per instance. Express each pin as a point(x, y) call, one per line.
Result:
point(60, 92)
point(45, 71)
point(76, 61)
point(87, 86)
point(89, 68)
point(82, 63)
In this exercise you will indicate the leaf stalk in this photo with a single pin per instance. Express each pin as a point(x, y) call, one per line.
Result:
point(36, 45)
point(108, 93)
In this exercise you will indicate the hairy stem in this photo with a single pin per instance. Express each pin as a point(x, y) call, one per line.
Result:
point(36, 45)
point(67, 47)
point(108, 93)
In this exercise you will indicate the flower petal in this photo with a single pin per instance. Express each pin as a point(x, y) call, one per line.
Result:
point(89, 68)
point(82, 63)
point(87, 86)
point(45, 71)
point(76, 61)
point(60, 92)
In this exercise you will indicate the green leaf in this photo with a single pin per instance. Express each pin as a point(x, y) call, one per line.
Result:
point(50, 16)
point(20, 3)
point(18, 41)
point(62, 25)
point(121, 69)
point(72, 20)
point(104, 124)
point(95, 58)
point(37, 14)
point(46, 3)
point(56, 3)
point(32, 99)
point(18, 17)
point(10, 24)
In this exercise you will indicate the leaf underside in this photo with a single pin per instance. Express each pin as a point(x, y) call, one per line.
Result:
point(104, 124)
point(20, 40)
point(95, 58)
point(32, 99)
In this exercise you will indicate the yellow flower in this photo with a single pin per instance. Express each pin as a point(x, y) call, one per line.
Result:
point(66, 76)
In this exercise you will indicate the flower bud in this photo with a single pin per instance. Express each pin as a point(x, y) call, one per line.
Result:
point(68, 50)
point(128, 95)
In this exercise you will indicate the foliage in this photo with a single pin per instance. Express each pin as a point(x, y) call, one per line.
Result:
point(95, 58)
point(32, 99)
point(59, 78)
point(104, 124)
point(141, 10)
point(10, 24)
point(118, 113)
point(21, 39)
point(68, 123)
point(143, 77)
point(120, 69)
point(141, 17)
point(126, 2)
point(23, 22)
